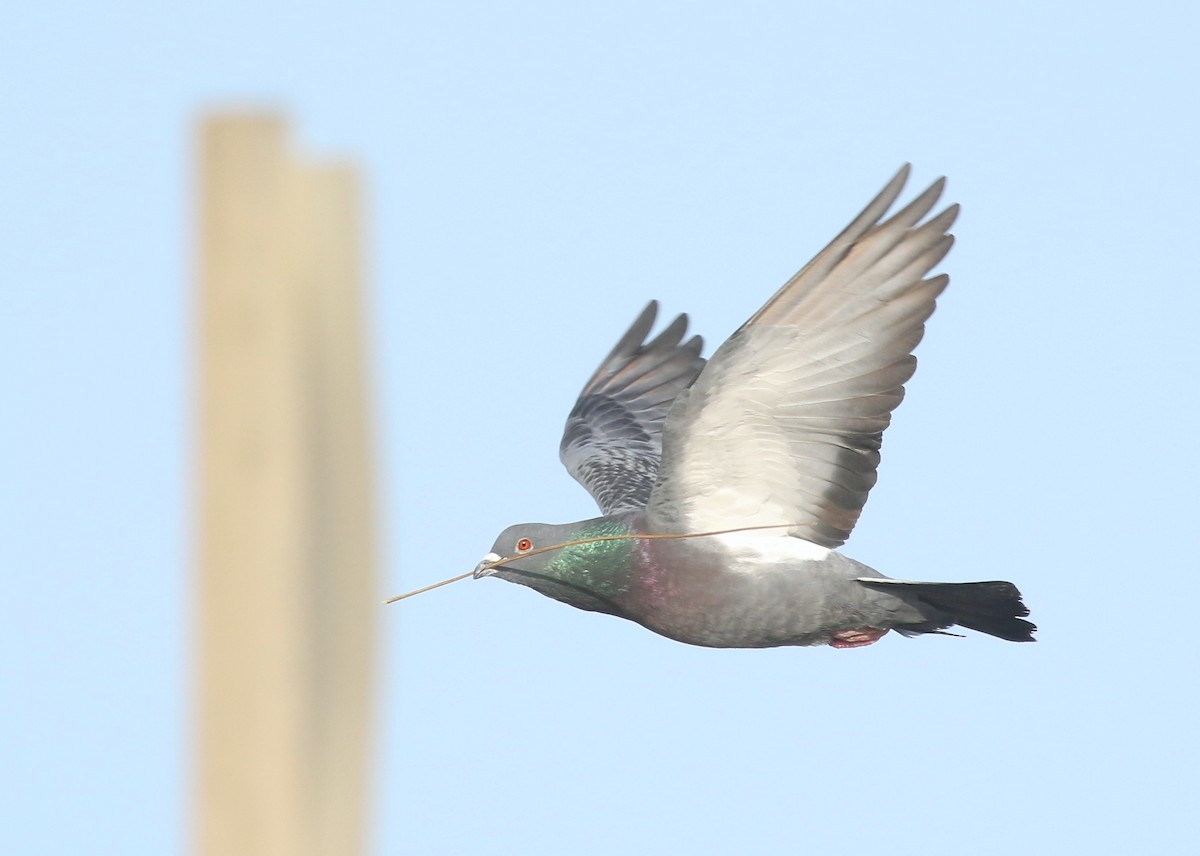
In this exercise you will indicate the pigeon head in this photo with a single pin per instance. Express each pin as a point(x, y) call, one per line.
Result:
point(587, 564)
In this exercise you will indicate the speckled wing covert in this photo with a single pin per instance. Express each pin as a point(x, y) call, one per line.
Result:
point(784, 424)
point(612, 443)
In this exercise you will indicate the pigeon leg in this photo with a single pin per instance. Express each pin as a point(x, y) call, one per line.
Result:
point(856, 638)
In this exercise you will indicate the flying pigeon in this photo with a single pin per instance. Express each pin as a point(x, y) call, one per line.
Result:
point(727, 486)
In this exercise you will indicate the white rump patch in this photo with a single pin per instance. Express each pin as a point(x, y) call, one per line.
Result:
point(765, 546)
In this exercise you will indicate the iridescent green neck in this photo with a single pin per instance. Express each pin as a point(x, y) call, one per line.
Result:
point(603, 567)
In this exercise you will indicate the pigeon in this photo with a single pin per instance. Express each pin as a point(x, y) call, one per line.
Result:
point(727, 485)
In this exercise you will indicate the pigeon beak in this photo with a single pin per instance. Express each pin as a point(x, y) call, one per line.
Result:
point(482, 570)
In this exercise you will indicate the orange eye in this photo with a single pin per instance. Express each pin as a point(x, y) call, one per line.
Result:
point(524, 545)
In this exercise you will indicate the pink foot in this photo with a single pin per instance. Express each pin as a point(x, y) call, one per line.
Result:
point(856, 638)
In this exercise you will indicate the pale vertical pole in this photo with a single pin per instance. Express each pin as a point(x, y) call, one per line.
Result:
point(286, 590)
point(347, 599)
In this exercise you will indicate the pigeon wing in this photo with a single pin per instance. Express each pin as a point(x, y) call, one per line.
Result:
point(612, 443)
point(784, 424)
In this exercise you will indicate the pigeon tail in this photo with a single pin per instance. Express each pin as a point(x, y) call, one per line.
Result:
point(992, 607)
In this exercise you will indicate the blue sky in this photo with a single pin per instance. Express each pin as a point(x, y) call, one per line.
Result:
point(537, 171)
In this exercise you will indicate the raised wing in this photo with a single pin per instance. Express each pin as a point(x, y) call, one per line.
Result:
point(784, 425)
point(612, 443)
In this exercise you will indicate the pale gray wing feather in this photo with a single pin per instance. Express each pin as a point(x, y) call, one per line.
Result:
point(784, 425)
point(612, 443)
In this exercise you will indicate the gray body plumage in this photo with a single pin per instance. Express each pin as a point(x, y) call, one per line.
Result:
point(777, 437)
point(719, 596)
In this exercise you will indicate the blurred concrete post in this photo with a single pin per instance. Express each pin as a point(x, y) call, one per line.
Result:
point(286, 591)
